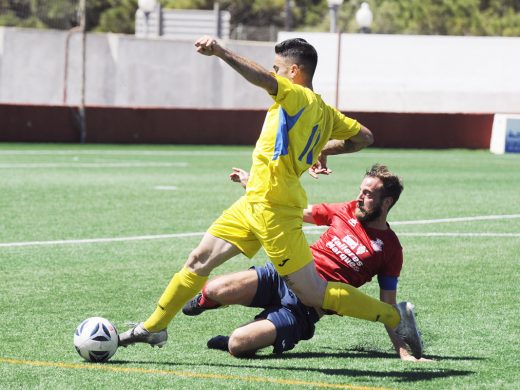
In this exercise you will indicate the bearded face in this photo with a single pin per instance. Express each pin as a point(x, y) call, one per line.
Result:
point(369, 200)
point(368, 215)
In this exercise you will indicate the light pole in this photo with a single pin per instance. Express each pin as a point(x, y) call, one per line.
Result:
point(334, 7)
point(364, 18)
point(146, 7)
point(288, 15)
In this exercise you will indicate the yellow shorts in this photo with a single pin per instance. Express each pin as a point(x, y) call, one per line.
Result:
point(278, 229)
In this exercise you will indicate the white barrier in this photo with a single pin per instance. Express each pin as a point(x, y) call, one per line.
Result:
point(505, 136)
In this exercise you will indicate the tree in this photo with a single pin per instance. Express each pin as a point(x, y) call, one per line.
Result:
point(118, 18)
point(447, 17)
point(439, 17)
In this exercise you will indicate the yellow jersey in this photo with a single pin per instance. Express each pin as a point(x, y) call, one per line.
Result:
point(296, 128)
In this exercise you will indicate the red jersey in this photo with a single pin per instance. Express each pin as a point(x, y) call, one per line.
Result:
point(350, 253)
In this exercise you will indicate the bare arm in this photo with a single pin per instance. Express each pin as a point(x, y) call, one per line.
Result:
point(250, 70)
point(389, 296)
point(354, 144)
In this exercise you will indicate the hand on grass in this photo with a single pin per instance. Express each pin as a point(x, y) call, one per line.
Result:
point(406, 356)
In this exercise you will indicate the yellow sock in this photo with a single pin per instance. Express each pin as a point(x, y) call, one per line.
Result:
point(349, 301)
point(183, 286)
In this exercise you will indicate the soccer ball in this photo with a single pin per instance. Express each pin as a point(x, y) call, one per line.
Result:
point(96, 339)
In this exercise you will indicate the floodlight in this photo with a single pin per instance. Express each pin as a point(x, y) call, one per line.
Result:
point(364, 17)
point(147, 6)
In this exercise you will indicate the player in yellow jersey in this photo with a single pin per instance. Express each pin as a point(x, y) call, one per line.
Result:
point(299, 131)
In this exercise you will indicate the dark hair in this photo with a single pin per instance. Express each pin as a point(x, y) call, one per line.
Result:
point(301, 52)
point(392, 184)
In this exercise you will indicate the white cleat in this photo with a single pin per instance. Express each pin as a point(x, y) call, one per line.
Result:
point(138, 334)
point(407, 329)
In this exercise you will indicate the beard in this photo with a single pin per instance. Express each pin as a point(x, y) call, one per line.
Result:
point(368, 216)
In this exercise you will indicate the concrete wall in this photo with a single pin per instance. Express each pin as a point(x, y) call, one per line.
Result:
point(122, 70)
point(386, 73)
point(421, 92)
point(405, 73)
point(32, 66)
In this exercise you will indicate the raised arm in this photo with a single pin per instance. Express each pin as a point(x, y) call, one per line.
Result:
point(250, 70)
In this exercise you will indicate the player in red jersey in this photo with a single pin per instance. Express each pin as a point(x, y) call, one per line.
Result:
point(358, 245)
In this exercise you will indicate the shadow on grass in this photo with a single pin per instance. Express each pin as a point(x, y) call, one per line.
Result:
point(361, 353)
point(414, 372)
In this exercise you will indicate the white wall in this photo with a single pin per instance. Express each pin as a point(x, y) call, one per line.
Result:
point(31, 66)
point(123, 70)
point(400, 73)
point(377, 73)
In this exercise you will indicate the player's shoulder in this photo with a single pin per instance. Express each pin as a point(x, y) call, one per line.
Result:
point(340, 207)
point(392, 237)
point(296, 90)
point(350, 206)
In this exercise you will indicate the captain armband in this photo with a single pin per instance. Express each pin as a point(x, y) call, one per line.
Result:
point(387, 282)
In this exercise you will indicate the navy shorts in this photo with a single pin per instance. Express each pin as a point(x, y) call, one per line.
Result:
point(292, 319)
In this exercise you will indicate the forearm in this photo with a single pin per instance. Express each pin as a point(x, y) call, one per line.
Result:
point(250, 70)
point(335, 146)
point(399, 346)
point(360, 141)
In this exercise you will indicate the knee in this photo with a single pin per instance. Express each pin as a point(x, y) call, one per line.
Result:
point(198, 262)
point(238, 344)
point(214, 289)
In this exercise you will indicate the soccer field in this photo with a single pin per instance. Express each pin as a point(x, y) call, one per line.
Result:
point(98, 230)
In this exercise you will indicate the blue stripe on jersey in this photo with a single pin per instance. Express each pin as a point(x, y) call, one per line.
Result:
point(309, 142)
point(285, 124)
point(310, 156)
point(387, 282)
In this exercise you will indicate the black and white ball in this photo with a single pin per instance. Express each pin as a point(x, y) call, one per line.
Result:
point(96, 339)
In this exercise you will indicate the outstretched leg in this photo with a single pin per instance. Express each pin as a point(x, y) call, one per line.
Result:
point(210, 253)
point(238, 288)
point(347, 300)
point(338, 297)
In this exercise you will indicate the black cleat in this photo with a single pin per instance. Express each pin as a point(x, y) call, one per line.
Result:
point(219, 342)
point(193, 307)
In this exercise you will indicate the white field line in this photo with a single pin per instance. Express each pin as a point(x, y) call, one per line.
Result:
point(166, 188)
point(433, 221)
point(99, 240)
point(122, 152)
point(455, 234)
point(460, 219)
point(93, 165)
point(309, 229)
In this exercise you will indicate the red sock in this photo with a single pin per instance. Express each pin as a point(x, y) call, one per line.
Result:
point(205, 301)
